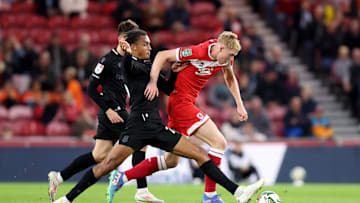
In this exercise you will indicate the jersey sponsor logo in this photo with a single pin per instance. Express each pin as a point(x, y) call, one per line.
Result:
point(99, 68)
point(203, 71)
point(187, 52)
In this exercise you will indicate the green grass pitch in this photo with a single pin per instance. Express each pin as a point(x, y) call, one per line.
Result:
point(310, 193)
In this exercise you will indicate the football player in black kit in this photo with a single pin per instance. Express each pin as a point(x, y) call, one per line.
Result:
point(145, 127)
point(112, 117)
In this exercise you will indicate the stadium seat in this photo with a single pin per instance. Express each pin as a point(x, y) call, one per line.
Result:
point(4, 114)
point(94, 8)
point(78, 22)
point(20, 112)
point(58, 129)
point(22, 8)
point(35, 21)
point(109, 7)
point(95, 37)
point(58, 22)
point(33, 128)
point(202, 23)
point(165, 36)
point(40, 36)
point(17, 127)
point(203, 8)
point(101, 22)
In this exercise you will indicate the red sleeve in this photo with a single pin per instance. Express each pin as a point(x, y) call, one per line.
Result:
point(192, 52)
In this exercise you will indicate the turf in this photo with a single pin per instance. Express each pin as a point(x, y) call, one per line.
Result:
point(310, 193)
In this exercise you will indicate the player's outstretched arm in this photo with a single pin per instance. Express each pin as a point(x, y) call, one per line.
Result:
point(233, 86)
point(161, 58)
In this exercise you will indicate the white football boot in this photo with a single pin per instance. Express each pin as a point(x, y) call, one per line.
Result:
point(54, 183)
point(249, 191)
point(62, 200)
point(145, 196)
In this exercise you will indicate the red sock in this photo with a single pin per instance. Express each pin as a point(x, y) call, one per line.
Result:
point(216, 155)
point(146, 168)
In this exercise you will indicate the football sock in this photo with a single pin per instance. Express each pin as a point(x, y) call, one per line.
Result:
point(86, 181)
point(146, 167)
point(213, 172)
point(216, 155)
point(137, 158)
point(80, 163)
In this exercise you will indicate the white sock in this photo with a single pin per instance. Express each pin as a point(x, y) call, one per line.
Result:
point(59, 178)
point(210, 194)
point(238, 191)
point(141, 190)
point(65, 199)
point(125, 179)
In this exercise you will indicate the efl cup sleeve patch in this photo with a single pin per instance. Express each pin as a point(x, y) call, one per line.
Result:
point(99, 68)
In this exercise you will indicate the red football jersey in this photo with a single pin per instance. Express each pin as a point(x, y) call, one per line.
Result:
point(202, 66)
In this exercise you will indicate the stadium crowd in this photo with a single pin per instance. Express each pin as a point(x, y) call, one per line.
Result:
point(48, 51)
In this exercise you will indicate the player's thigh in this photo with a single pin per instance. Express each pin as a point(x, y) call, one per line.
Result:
point(171, 160)
point(101, 149)
point(211, 135)
point(189, 150)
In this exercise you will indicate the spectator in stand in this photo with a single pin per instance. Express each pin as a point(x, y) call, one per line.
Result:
point(292, 85)
point(59, 55)
point(248, 54)
point(352, 36)
point(249, 133)
point(355, 83)
point(318, 29)
point(7, 133)
point(276, 63)
point(240, 164)
point(258, 117)
point(276, 114)
point(9, 95)
point(154, 13)
point(296, 123)
point(233, 22)
point(73, 88)
point(156, 45)
point(25, 57)
point(128, 9)
point(47, 8)
point(342, 66)
point(321, 127)
point(34, 96)
point(285, 10)
point(256, 69)
point(246, 88)
point(219, 95)
point(44, 71)
point(329, 11)
point(270, 88)
point(308, 103)
point(328, 46)
point(232, 127)
point(73, 8)
point(83, 67)
point(8, 49)
point(176, 16)
point(84, 46)
point(257, 43)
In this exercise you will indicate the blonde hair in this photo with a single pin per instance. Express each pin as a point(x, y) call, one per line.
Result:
point(230, 40)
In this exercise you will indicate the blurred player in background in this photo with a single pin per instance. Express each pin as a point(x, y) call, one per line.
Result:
point(112, 117)
point(205, 60)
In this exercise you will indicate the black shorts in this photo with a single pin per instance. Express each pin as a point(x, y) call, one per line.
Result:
point(147, 129)
point(109, 131)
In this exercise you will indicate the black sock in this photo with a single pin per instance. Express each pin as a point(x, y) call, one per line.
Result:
point(80, 163)
point(86, 181)
point(214, 173)
point(138, 157)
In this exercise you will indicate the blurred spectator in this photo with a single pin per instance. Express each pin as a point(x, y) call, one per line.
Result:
point(59, 55)
point(231, 128)
point(270, 88)
point(352, 36)
point(7, 133)
point(83, 66)
point(83, 123)
point(73, 8)
point(10, 45)
point(248, 54)
point(73, 88)
point(25, 57)
point(154, 13)
point(249, 133)
point(247, 89)
point(296, 123)
point(9, 95)
point(84, 46)
point(47, 8)
point(257, 43)
point(276, 114)
point(240, 164)
point(308, 103)
point(177, 17)
point(34, 96)
point(355, 83)
point(328, 45)
point(275, 63)
point(258, 117)
point(320, 125)
point(156, 45)
point(292, 85)
point(342, 66)
point(44, 71)
point(128, 9)
point(329, 11)
point(233, 22)
point(220, 95)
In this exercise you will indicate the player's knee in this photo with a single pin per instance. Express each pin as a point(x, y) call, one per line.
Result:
point(219, 144)
point(98, 157)
point(201, 156)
